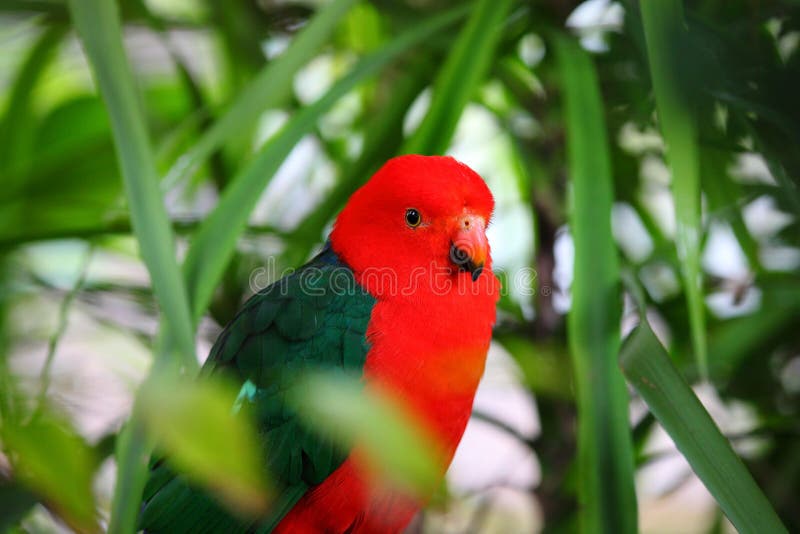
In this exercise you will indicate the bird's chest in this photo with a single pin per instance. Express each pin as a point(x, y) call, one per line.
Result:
point(431, 355)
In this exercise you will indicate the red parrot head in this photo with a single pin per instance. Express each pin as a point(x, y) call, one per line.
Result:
point(417, 216)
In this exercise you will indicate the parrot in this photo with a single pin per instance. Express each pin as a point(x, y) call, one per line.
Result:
point(402, 295)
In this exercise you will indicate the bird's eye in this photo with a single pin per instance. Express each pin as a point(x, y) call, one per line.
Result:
point(413, 218)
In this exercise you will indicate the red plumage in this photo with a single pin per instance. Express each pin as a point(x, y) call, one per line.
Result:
point(429, 330)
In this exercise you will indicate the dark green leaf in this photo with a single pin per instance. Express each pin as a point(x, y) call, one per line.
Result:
point(605, 452)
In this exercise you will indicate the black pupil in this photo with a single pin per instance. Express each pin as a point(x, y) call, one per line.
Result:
point(412, 217)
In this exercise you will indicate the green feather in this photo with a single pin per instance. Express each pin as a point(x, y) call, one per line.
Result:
point(299, 324)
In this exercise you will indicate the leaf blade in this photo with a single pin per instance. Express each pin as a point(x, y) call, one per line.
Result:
point(663, 28)
point(649, 369)
point(52, 460)
point(194, 424)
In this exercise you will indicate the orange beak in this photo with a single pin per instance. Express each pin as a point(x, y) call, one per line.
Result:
point(469, 247)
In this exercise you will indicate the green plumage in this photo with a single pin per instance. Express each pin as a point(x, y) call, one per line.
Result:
point(314, 319)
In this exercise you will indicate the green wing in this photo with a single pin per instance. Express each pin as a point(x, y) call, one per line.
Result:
point(315, 318)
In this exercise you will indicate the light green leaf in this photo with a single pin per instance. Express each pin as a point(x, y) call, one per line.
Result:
point(53, 461)
point(605, 453)
point(649, 369)
point(386, 432)
point(16, 127)
point(73, 187)
point(194, 426)
point(663, 30)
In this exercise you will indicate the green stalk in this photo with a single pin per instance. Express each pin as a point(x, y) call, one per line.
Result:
point(98, 26)
point(605, 452)
point(665, 33)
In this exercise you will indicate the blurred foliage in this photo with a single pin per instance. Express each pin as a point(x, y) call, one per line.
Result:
point(209, 103)
point(179, 417)
point(389, 437)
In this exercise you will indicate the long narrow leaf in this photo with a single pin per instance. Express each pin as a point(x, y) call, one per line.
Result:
point(464, 69)
point(270, 88)
point(663, 30)
point(214, 244)
point(606, 492)
point(98, 25)
point(649, 369)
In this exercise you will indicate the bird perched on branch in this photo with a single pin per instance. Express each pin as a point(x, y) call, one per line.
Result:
point(403, 295)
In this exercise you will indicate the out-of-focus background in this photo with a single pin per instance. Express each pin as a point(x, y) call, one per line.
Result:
point(302, 101)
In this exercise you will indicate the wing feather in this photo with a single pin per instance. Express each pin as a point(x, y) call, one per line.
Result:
point(315, 318)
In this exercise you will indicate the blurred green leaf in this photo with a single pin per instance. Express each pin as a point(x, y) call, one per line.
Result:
point(605, 451)
point(362, 28)
point(664, 32)
point(381, 427)
point(195, 427)
point(98, 26)
point(73, 187)
point(52, 460)
point(648, 368)
point(742, 338)
point(460, 76)
point(215, 241)
point(271, 87)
